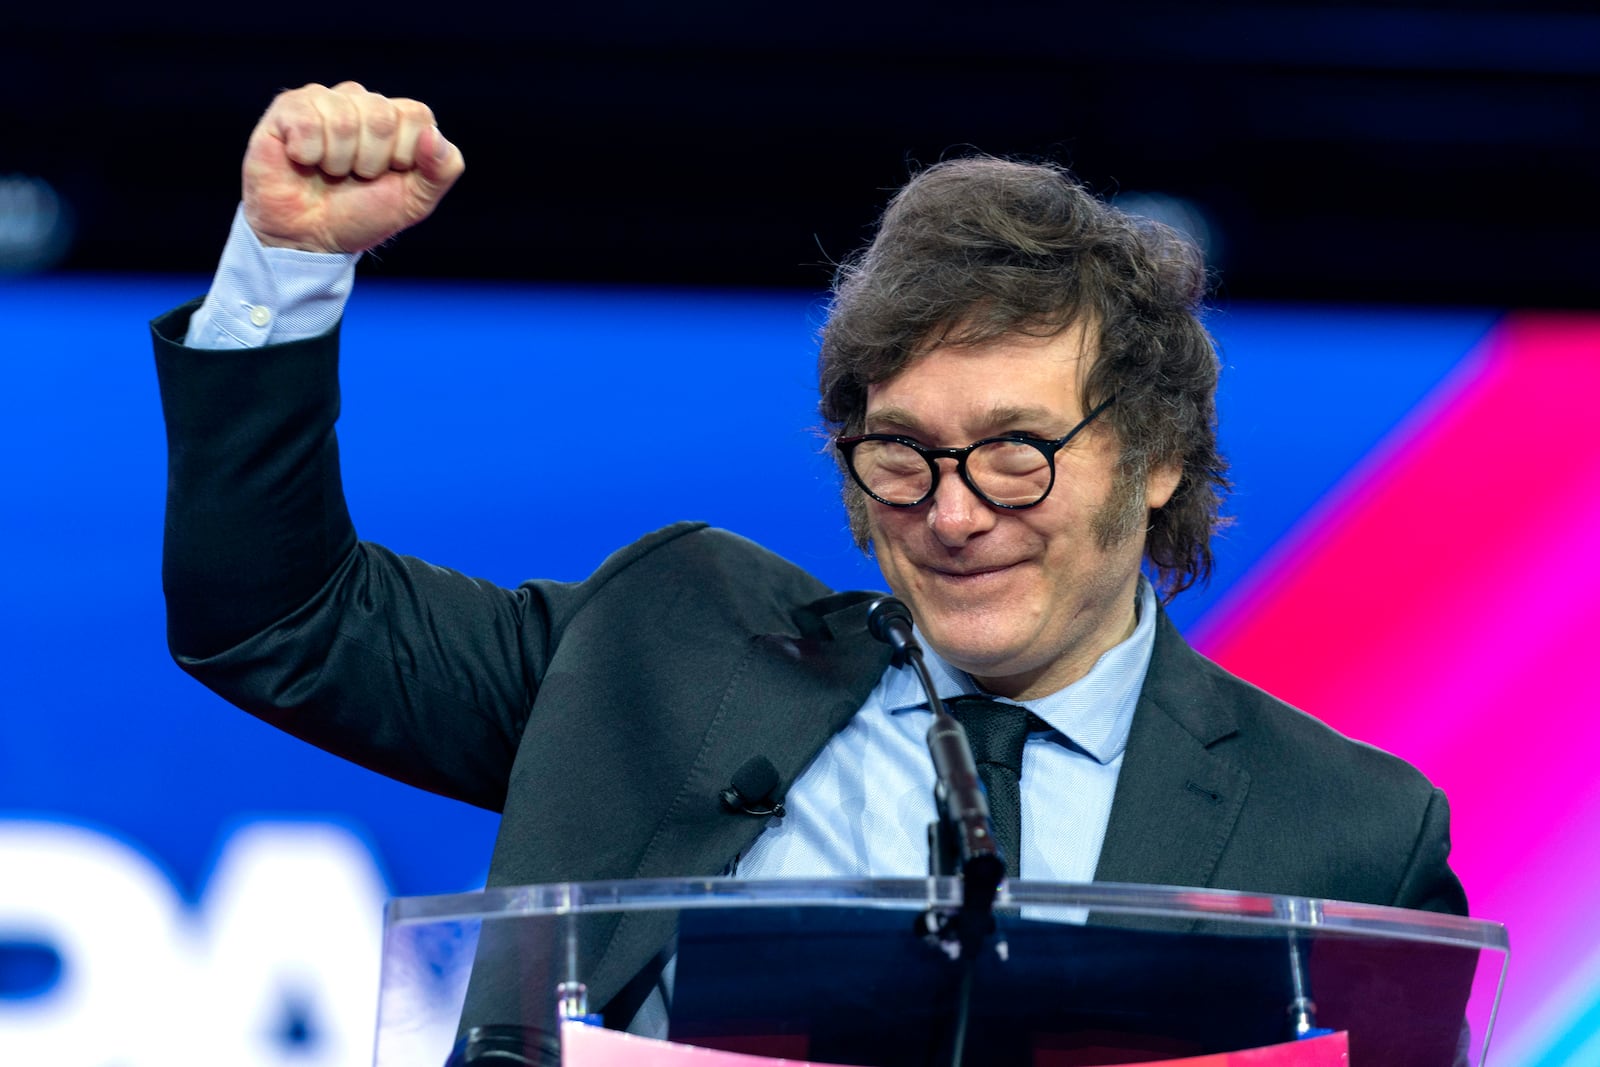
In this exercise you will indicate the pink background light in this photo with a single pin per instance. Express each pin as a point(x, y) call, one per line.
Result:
point(1444, 604)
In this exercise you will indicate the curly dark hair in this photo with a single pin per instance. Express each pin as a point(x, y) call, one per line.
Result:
point(975, 248)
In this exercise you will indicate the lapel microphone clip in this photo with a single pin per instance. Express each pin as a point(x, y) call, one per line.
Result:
point(752, 789)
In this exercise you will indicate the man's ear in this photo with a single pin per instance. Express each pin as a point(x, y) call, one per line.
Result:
point(1161, 483)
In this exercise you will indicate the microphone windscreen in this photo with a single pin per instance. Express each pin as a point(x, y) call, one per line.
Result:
point(756, 779)
point(882, 616)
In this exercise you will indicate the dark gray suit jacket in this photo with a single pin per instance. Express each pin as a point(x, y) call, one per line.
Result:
point(604, 717)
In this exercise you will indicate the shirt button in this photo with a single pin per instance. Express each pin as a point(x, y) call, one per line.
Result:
point(259, 316)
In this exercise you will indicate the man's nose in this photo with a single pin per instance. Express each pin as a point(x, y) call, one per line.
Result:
point(956, 513)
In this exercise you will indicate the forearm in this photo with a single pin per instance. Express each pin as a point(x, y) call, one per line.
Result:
point(417, 672)
point(256, 520)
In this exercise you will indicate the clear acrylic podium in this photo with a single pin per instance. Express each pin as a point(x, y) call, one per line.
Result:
point(836, 971)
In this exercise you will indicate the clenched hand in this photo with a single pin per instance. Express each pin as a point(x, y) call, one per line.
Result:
point(342, 169)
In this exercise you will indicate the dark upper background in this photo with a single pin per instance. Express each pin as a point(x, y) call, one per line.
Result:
point(1415, 152)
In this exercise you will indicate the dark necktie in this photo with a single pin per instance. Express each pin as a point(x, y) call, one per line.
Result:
point(997, 733)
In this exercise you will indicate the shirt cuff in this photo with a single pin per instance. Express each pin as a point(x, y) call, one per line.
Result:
point(263, 296)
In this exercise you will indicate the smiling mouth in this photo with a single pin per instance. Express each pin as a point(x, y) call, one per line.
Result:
point(970, 573)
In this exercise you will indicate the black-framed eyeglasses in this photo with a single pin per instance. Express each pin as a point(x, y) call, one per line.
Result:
point(1011, 470)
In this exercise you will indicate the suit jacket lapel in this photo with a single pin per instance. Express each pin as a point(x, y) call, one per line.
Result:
point(1176, 803)
point(790, 694)
point(814, 683)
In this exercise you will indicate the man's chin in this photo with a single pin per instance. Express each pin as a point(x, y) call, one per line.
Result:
point(978, 657)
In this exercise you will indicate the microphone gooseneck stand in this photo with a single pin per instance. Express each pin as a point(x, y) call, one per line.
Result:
point(961, 841)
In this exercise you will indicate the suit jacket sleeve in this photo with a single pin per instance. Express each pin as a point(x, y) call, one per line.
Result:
point(416, 671)
point(1428, 883)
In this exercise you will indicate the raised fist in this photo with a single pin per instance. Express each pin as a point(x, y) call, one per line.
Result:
point(342, 169)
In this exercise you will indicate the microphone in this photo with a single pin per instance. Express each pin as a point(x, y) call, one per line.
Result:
point(889, 621)
point(964, 831)
point(750, 792)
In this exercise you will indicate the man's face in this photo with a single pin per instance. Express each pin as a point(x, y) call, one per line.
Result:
point(1025, 601)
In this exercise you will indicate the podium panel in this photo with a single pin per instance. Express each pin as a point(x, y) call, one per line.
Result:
point(843, 971)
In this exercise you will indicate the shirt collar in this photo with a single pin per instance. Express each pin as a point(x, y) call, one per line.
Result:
point(1094, 713)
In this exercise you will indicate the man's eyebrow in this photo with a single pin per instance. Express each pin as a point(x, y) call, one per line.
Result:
point(1016, 415)
point(997, 419)
point(890, 419)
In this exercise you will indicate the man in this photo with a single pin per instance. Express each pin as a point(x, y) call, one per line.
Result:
point(1024, 402)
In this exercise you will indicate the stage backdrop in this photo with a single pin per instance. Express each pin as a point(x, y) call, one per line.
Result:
point(1412, 559)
